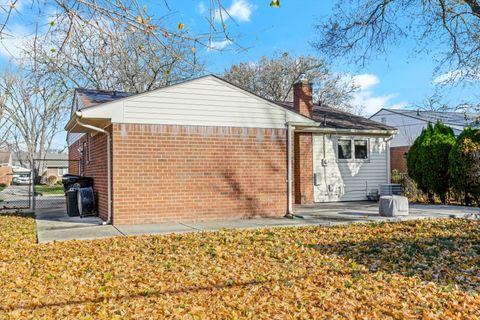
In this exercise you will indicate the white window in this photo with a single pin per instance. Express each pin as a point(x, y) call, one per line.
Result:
point(384, 120)
point(62, 171)
point(352, 149)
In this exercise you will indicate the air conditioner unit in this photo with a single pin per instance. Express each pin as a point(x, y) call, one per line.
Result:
point(389, 189)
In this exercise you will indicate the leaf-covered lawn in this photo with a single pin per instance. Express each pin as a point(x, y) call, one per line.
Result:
point(419, 269)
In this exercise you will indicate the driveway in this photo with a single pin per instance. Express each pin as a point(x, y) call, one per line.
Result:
point(15, 197)
point(55, 225)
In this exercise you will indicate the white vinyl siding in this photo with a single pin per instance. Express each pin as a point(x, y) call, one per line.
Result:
point(206, 101)
point(409, 128)
point(348, 180)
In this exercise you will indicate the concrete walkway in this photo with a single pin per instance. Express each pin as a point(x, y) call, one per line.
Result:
point(55, 225)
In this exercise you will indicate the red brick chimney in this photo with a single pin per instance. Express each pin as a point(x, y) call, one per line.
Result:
point(302, 97)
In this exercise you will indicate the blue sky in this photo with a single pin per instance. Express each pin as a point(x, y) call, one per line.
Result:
point(401, 79)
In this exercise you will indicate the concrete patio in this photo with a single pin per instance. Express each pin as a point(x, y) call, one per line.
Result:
point(54, 224)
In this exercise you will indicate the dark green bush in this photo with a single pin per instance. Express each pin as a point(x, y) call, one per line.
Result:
point(464, 165)
point(427, 160)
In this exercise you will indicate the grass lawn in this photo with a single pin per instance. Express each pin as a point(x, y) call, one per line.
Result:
point(419, 269)
point(46, 190)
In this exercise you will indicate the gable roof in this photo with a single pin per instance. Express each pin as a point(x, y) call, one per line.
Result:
point(458, 119)
point(329, 117)
point(204, 101)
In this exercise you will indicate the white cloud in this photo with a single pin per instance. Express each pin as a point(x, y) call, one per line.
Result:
point(366, 97)
point(240, 10)
point(365, 81)
point(201, 8)
point(471, 75)
point(448, 76)
point(400, 105)
point(11, 47)
point(219, 45)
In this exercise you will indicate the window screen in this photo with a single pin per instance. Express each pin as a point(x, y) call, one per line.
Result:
point(344, 149)
point(361, 149)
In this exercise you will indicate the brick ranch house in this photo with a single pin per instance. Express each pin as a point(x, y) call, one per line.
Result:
point(206, 149)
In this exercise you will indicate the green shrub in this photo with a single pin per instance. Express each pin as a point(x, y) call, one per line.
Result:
point(464, 165)
point(427, 160)
point(52, 180)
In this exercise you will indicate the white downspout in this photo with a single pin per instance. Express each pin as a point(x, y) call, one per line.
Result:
point(389, 169)
point(109, 169)
point(290, 129)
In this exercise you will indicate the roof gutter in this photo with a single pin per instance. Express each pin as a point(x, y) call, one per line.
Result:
point(348, 131)
point(79, 115)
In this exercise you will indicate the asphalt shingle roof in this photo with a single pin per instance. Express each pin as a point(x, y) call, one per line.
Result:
point(336, 119)
point(90, 97)
point(459, 119)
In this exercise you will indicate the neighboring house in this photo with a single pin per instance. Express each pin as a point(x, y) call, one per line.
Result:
point(410, 124)
point(55, 165)
point(6, 175)
point(207, 149)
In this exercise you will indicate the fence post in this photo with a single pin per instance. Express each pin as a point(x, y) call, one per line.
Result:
point(32, 183)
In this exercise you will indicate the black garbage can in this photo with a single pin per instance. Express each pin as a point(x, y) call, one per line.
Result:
point(71, 180)
point(86, 201)
point(79, 203)
point(72, 202)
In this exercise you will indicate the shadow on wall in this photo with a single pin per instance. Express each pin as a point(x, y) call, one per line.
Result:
point(245, 193)
point(251, 203)
point(449, 259)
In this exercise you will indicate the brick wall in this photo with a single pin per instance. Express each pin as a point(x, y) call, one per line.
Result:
point(74, 157)
point(303, 168)
point(171, 173)
point(398, 159)
point(96, 167)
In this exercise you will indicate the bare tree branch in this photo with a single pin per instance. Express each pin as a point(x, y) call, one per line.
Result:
point(274, 77)
point(361, 29)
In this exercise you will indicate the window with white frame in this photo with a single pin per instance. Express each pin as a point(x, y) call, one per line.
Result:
point(352, 149)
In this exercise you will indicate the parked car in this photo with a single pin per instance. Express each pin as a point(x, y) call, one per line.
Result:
point(23, 179)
